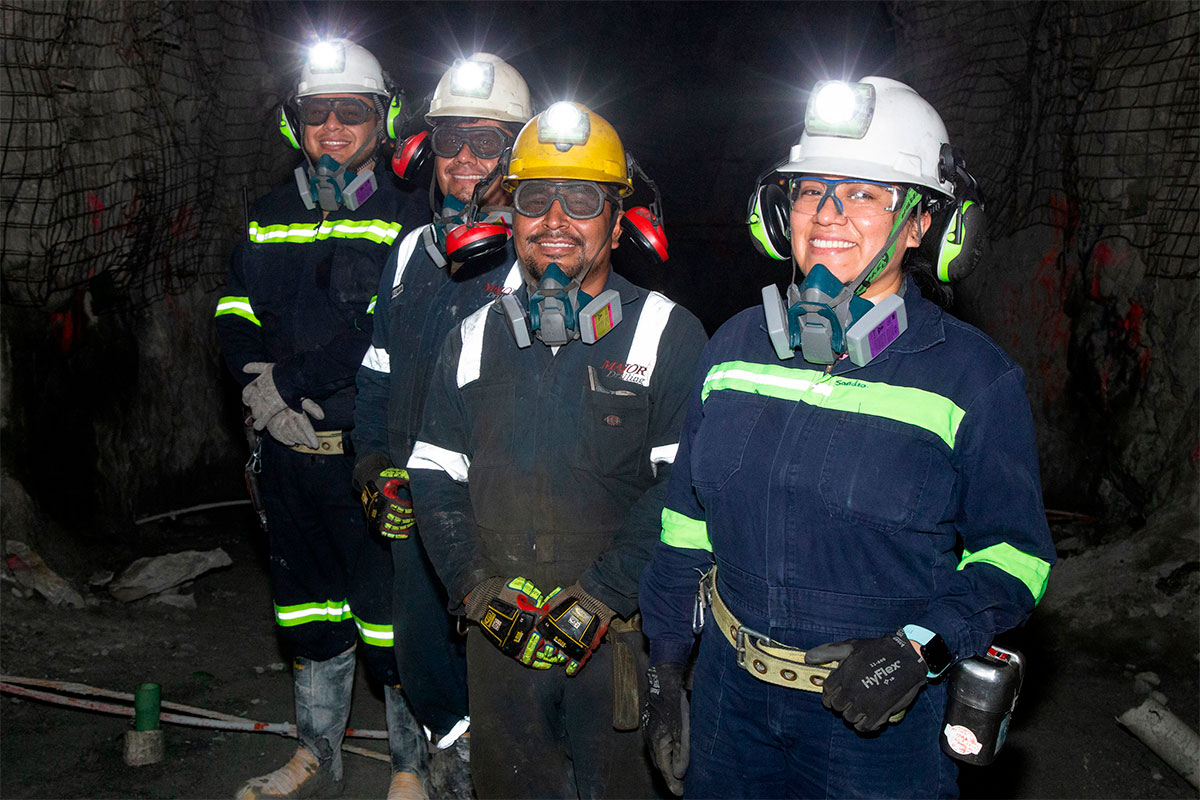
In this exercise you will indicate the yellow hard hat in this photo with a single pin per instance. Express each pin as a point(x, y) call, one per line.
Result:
point(571, 142)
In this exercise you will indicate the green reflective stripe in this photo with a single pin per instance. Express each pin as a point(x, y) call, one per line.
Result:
point(1029, 570)
point(238, 306)
point(380, 635)
point(932, 412)
point(374, 230)
point(329, 611)
point(682, 531)
point(371, 305)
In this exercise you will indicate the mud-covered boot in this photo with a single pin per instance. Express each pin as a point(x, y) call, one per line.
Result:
point(323, 691)
point(410, 752)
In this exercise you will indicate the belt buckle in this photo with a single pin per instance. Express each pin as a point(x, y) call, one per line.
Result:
point(741, 634)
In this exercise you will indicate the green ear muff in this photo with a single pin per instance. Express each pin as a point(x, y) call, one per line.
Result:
point(767, 216)
point(961, 243)
point(393, 117)
point(288, 126)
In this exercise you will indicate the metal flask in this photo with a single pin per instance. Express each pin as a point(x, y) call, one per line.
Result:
point(982, 693)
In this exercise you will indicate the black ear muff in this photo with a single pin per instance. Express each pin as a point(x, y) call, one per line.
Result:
point(767, 216)
point(960, 245)
point(465, 242)
point(645, 233)
point(411, 156)
point(289, 125)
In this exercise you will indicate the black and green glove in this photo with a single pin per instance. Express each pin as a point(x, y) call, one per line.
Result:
point(385, 496)
point(508, 614)
point(665, 723)
point(875, 680)
point(575, 623)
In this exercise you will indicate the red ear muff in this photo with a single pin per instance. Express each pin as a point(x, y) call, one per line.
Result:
point(645, 233)
point(411, 156)
point(465, 242)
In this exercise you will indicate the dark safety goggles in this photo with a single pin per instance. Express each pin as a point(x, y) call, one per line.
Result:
point(484, 141)
point(349, 110)
point(852, 197)
point(579, 199)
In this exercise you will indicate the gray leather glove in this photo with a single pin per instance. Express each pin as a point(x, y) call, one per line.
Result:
point(287, 425)
point(292, 427)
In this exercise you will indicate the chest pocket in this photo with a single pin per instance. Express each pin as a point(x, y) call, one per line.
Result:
point(613, 430)
point(880, 473)
point(491, 407)
point(720, 443)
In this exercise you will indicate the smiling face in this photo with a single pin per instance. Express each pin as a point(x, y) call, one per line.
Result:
point(845, 245)
point(576, 245)
point(458, 174)
point(337, 140)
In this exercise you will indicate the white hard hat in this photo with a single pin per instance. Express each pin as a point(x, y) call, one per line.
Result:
point(481, 86)
point(877, 129)
point(340, 65)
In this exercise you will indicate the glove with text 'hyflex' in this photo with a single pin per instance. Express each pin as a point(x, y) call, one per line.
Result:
point(875, 680)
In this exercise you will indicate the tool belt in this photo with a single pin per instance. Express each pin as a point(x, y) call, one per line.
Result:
point(766, 660)
point(329, 443)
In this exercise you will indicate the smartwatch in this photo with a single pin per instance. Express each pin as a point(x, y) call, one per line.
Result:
point(934, 652)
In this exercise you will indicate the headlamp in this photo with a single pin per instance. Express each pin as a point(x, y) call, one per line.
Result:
point(327, 57)
point(472, 78)
point(564, 125)
point(841, 109)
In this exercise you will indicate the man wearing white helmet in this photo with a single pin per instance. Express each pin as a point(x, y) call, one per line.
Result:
point(436, 276)
point(857, 478)
point(293, 327)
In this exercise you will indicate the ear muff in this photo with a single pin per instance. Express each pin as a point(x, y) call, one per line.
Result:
point(961, 243)
point(411, 156)
point(393, 122)
point(465, 242)
point(289, 126)
point(767, 216)
point(645, 233)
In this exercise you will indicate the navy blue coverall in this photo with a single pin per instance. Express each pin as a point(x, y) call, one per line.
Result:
point(418, 304)
point(297, 295)
point(840, 504)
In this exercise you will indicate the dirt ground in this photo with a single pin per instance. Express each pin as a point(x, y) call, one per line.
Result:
point(1112, 612)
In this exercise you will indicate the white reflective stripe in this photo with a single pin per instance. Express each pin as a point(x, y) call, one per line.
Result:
point(428, 456)
point(404, 252)
point(664, 453)
point(316, 611)
point(452, 735)
point(377, 359)
point(644, 349)
point(515, 280)
point(470, 360)
point(231, 305)
point(373, 636)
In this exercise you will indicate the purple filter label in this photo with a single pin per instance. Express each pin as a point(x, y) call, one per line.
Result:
point(363, 192)
point(884, 334)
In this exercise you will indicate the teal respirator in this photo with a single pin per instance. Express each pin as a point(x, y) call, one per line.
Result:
point(559, 311)
point(824, 318)
point(332, 185)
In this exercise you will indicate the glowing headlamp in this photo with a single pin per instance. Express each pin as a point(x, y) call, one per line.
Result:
point(564, 125)
point(472, 78)
point(841, 109)
point(327, 57)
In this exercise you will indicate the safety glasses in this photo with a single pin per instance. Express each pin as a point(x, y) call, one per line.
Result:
point(349, 110)
point(579, 199)
point(484, 141)
point(852, 197)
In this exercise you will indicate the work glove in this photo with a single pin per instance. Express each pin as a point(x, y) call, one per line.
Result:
point(386, 497)
point(575, 623)
point(876, 679)
point(508, 613)
point(265, 403)
point(665, 723)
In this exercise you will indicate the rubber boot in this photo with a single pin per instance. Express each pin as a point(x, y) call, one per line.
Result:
point(410, 752)
point(323, 692)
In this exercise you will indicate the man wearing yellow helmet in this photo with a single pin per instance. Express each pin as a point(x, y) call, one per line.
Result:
point(542, 464)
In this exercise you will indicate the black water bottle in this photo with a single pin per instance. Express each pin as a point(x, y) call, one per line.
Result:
point(982, 693)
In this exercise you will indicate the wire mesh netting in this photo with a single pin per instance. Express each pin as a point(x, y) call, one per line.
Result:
point(1082, 115)
point(129, 130)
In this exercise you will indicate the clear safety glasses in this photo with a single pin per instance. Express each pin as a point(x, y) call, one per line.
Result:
point(484, 141)
point(349, 110)
point(852, 197)
point(579, 199)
